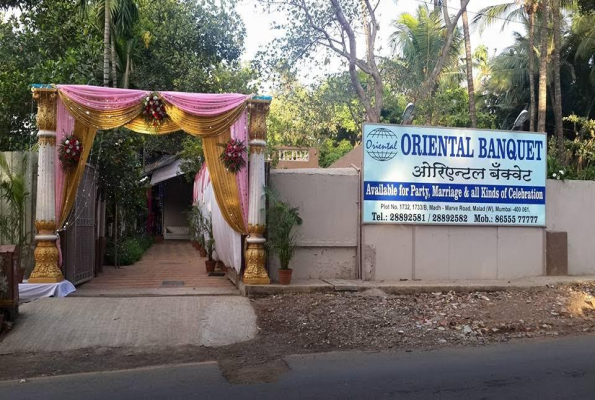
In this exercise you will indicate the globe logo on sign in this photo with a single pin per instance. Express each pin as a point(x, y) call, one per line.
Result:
point(382, 144)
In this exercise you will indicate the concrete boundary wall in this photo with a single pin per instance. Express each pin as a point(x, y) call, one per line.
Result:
point(328, 204)
point(328, 200)
point(570, 207)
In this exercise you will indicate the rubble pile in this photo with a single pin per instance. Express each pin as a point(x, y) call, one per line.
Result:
point(375, 320)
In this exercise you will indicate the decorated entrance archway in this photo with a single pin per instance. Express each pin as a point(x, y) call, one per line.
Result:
point(210, 116)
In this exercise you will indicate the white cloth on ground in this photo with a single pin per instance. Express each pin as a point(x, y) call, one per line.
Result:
point(32, 291)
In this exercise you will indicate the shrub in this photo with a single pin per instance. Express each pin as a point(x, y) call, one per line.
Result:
point(130, 250)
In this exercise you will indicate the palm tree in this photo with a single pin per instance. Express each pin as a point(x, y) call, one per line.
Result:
point(542, 102)
point(513, 11)
point(120, 19)
point(557, 86)
point(469, 64)
point(417, 42)
point(506, 89)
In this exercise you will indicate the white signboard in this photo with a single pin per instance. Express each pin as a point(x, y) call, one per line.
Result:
point(453, 176)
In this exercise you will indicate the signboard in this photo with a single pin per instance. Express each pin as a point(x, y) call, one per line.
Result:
point(428, 175)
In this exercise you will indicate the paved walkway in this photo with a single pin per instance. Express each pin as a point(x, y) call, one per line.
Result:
point(64, 324)
point(167, 268)
point(404, 287)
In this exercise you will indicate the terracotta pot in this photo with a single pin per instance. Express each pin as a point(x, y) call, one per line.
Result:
point(285, 276)
point(203, 252)
point(210, 265)
point(158, 239)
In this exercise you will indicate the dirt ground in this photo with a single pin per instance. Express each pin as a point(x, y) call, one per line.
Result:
point(371, 320)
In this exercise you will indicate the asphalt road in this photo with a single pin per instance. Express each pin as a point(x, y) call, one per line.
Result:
point(547, 369)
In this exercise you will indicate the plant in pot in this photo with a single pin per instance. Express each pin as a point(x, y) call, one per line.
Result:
point(281, 220)
point(195, 226)
point(209, 245)
point(192, 226)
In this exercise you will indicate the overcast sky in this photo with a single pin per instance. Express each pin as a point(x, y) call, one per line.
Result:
point(259, 32)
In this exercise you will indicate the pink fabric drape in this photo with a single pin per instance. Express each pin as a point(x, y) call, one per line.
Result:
point(204, 104)
point(201, 181)
point(64, 127)
point(102, 98)
point(239, 131)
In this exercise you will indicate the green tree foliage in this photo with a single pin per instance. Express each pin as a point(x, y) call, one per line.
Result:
point(189, 46)
point(306, 116)
point(116, 154)
point(330, 151)
point(417, 42)
point(192, 156)
point(48, 42)
point(450, 107)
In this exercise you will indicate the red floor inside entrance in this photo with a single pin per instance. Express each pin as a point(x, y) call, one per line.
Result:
point(170, 264)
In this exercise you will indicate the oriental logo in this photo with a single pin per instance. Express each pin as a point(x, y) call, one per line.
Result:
point(382, 144)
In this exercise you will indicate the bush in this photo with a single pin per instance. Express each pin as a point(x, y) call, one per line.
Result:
point(130, 250)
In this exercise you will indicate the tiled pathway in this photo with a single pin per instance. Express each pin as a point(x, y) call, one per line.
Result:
point(171, 264)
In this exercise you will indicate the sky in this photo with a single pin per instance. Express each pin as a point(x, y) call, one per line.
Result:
point(259, 32)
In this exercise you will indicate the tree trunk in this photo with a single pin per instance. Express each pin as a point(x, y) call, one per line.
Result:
point(106, 44)
point(557, 87)
point(114, 64)
point(532, 69)
point(542, 105)
point(469, 62)
point(126, 77)
point(373, 108)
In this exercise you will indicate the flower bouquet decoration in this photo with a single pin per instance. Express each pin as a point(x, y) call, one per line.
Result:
point(70, 151)
point(154, 111)
point(233, 155)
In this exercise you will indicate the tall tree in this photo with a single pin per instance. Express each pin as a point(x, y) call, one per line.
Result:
point(557, 86)
point(451, 24)
point(542, 99)
point(469, 64)
point(106, 42)
point(531, 9)
point(515, 11)
point(418, 40)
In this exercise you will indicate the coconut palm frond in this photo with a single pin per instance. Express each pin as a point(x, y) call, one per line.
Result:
point(488, 16)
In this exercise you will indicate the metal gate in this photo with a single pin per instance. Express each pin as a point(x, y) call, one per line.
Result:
point(79, 246)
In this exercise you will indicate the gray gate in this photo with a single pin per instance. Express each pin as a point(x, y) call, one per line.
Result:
point(79, 249)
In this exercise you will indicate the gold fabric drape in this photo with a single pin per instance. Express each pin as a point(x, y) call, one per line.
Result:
point(214, 130)
point(86, 135)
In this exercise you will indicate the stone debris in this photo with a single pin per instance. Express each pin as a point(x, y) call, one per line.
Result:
point(376, 320)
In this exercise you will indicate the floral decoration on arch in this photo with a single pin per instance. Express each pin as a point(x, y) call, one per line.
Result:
point(233, 155)
point(69, 152)
point(154, 111)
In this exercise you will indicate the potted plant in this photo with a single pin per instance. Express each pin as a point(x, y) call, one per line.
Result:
point(209, 245)
point(194, 225)
point(282, 218)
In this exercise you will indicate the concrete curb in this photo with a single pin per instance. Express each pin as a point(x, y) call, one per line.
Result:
point(411, 287)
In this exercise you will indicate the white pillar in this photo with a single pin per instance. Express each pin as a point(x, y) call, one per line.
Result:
point(255, 272)
point(46, 253)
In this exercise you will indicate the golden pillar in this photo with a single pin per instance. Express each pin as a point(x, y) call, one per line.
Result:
point(255, 272)
point(46, 253)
